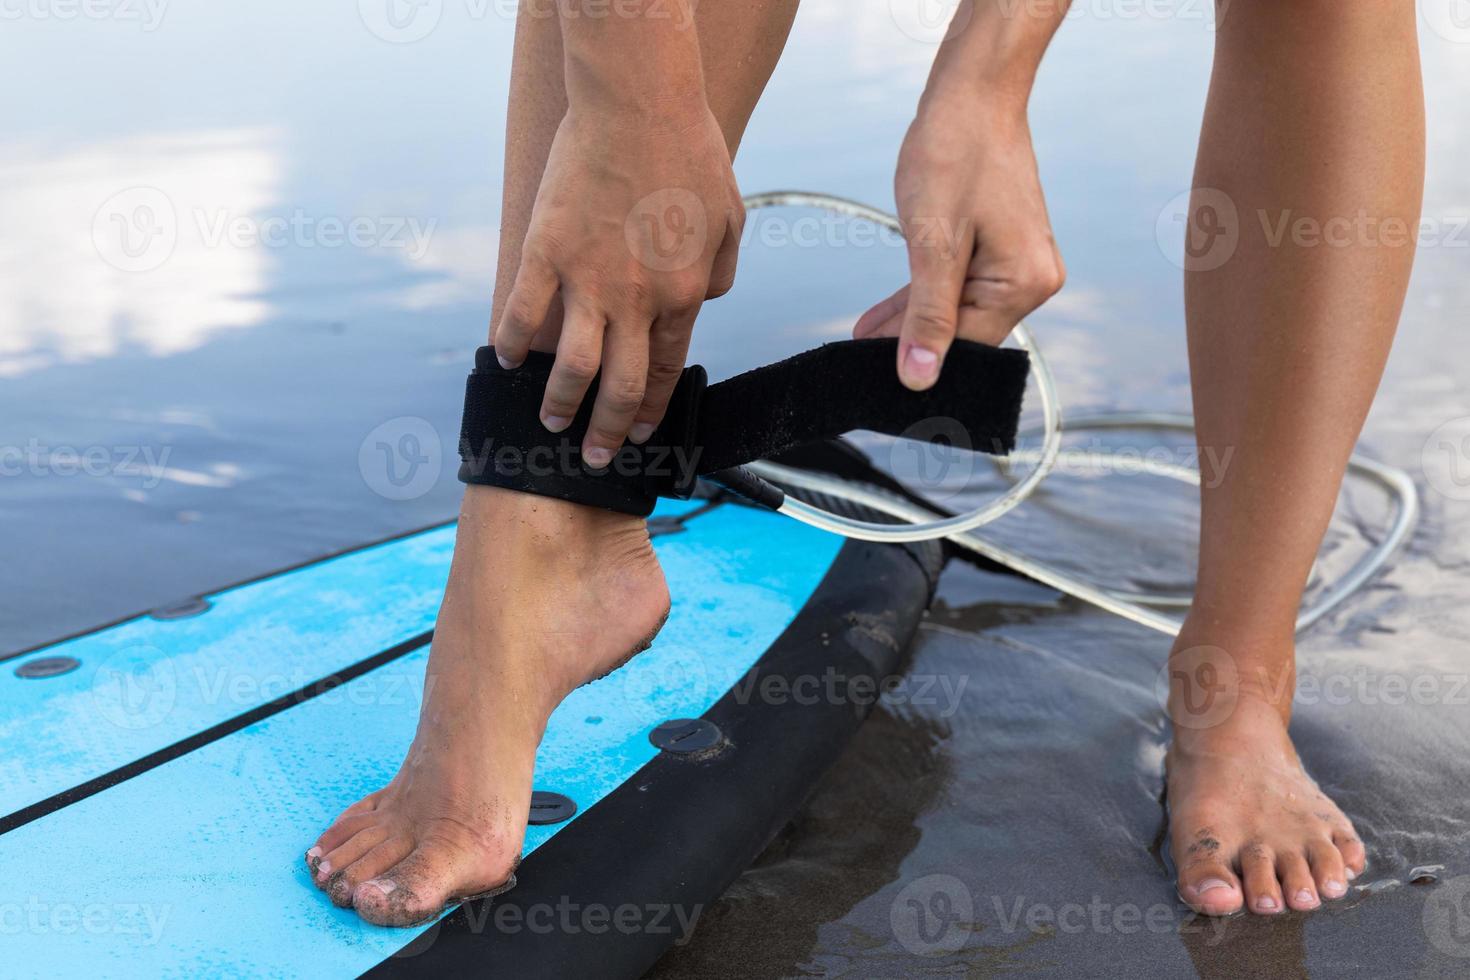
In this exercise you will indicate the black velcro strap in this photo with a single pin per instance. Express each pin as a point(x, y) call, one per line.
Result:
point(822, 393)
point(853, 384)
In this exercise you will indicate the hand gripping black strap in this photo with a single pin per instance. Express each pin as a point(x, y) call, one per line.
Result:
point(822, 393)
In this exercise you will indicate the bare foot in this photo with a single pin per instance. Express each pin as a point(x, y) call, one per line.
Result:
point(1249, 828)
point(543, 596)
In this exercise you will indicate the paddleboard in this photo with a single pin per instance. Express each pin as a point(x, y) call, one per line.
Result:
point(162, 776)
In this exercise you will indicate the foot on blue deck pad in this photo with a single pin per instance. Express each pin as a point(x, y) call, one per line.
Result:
point(193, 866)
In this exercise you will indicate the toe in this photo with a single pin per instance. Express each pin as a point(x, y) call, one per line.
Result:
point(1210, 888)
point(1354, 856)
point(1327, 869)
point(412, 891)
point(422, 884)
point(343, 883)
point(386, 902)
point(1296, 882)
point(348, 853)
point(346, 827)
point(1258, 873)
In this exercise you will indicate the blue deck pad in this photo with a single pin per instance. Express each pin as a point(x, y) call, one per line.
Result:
point(145, 683)
point(194, 868)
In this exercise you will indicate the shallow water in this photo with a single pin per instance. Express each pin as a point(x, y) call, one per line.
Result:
point(224, 380)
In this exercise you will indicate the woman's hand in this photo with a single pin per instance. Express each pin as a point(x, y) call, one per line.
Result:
point(981, 253)
point(636, 224)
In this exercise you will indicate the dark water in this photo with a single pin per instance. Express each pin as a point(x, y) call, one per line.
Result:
point(244, 245)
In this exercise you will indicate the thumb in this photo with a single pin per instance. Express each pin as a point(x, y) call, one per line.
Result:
point(932, 315)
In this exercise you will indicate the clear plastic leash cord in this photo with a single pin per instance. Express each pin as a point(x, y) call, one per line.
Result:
point(923, 524)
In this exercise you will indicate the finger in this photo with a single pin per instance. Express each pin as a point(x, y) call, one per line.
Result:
point(668, 349)
point(998, 294)
point(722, 272)
point(929, 321)
point(578, 356)
point(525, 310)
point(620, 392)
point(883, 314)
point(987, 325)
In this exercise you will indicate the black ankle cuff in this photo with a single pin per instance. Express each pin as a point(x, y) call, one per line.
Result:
point(708, 428)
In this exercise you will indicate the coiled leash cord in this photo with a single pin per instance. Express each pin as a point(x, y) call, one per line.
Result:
point(924, 525)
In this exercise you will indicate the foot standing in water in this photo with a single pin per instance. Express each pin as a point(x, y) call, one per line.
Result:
point(1314, 107)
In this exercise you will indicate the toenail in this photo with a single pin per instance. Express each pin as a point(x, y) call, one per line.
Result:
point(1351, 874)
point(1306, 897)
point(383, 885)
point(1209, 885)
point(1332, 887)
point(1268, 903)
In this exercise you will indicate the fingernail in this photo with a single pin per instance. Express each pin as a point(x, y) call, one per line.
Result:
point(1333, 888)
point(1266, 903)
point(597, 457)
point(1305, 897)
point(324, 869)
point(641, 432)
point(556, 422)
point(922, 364)
point(1209, 885)
point(314, 853)
point(507, 363)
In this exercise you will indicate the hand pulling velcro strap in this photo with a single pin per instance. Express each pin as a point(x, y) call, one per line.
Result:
point(818, 394)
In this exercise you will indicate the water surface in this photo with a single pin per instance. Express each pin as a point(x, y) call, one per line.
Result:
point(246, 245)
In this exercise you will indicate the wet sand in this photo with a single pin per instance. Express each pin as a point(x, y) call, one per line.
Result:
point(1022, 833)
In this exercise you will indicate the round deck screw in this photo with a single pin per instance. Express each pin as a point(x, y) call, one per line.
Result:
point(549, 808)
point(685, 736)
point(184, 609)
point(47, 667)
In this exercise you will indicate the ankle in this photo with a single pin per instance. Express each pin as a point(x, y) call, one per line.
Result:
point(511, 515)
point(1216, 676)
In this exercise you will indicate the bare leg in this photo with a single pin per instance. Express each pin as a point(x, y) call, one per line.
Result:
point(1315, 111)
point(543, 595)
